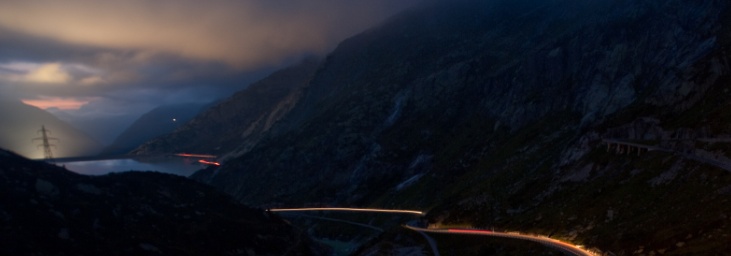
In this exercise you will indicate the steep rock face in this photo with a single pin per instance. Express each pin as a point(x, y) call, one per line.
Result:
point(434, 81)
point(159, 121)
point(500, 113)
point(47, 210)
point(234, 125)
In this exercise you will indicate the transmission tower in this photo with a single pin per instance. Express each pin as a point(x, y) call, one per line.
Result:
point(45, 143)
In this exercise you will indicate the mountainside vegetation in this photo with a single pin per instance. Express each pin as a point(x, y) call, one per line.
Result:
point(602, 122)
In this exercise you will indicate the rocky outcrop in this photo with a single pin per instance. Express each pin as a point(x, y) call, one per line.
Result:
point(493, 114)
point(455, 81)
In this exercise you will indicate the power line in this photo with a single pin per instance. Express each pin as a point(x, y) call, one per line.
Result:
point(45, 143)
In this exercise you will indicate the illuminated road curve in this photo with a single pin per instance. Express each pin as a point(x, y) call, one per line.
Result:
point(420, 213)
point(553, 243)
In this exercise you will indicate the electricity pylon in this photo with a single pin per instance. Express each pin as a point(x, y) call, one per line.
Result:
point(45, 143)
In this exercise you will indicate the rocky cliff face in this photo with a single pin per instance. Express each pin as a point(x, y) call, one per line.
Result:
point(501, 113)
point(234, 125)
point(47, 210)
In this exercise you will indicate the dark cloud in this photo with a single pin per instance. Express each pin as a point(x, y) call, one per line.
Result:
point(242, 33)
point(122, 58)
point(156, 43)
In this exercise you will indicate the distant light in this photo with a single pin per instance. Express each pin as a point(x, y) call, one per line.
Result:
point(175, 120)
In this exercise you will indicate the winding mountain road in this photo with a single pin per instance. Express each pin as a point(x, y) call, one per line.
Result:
point(341, 209)
point(549, 242)
point(553, 243)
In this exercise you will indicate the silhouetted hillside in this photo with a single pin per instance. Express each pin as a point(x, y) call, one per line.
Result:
point(159, 121)
point(234, 125)
point(47, 210)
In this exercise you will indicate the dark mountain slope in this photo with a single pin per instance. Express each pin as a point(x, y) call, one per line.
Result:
point(498, 114)
point(235, 124)
point(47, 210)
point(19, 123)
point(406, 91)
point(159, 121)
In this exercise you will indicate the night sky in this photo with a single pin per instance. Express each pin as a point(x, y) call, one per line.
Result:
point(86, 59)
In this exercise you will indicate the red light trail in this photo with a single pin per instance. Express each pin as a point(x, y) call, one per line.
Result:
point(209, 162)
point(195, 155)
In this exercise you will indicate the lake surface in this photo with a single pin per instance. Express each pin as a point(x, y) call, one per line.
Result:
point(178, 166)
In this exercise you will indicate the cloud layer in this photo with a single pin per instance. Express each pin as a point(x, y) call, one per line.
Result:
point(129, 56)
point(246, 34)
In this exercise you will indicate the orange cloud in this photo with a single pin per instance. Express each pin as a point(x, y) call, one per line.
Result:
point(57, 102)
point(48, 74)
point(241, 33)
point(55, 73)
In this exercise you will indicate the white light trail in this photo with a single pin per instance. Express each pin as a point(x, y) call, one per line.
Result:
point(560, 245)
point(557, 244)
point(347, 210)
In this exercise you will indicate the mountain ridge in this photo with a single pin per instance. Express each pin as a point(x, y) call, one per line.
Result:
point(496, 120)
point(233, 125)
point(156, 122)
point(48, 210)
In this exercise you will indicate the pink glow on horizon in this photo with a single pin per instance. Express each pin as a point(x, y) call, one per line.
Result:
point(57, 102)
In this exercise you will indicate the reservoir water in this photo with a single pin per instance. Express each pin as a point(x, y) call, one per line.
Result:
point(178, 166)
